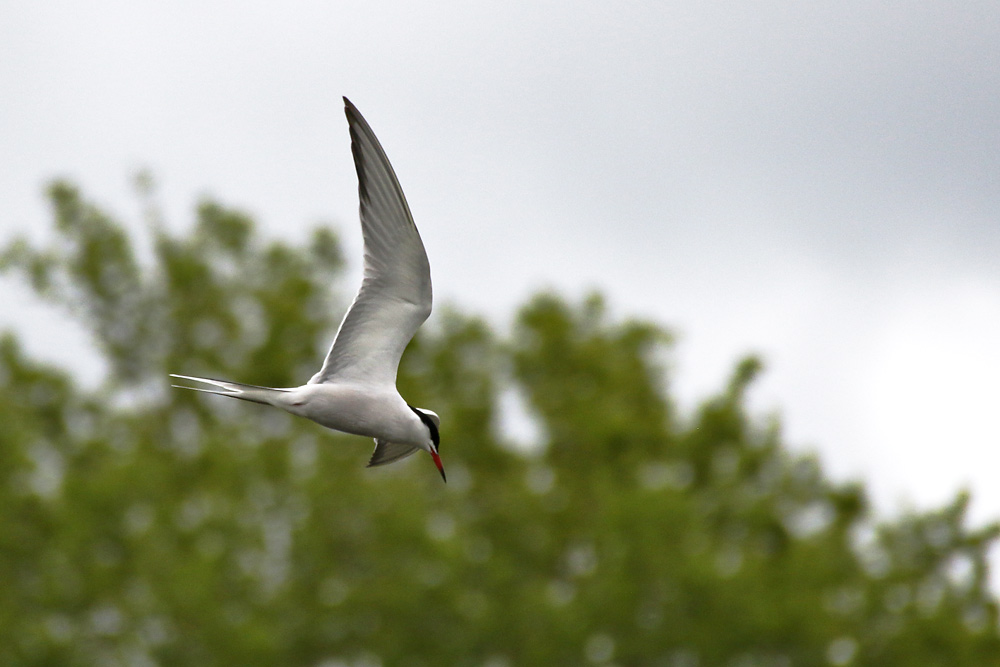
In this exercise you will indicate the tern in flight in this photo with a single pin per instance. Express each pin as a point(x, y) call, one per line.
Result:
point(355, 391)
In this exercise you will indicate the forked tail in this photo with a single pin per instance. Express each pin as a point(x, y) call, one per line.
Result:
point(245, 392)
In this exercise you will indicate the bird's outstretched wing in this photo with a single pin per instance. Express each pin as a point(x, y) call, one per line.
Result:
point(388, 452)
point(395, 296)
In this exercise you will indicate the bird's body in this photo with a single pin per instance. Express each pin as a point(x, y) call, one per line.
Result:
point(356, 410)
point(355, 390)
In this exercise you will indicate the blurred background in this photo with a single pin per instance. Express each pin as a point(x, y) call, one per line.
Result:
point(816, 186)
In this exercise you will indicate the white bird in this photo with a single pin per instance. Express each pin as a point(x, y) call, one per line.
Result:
point(355, 390)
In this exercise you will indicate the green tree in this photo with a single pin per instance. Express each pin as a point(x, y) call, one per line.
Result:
point(145, 526)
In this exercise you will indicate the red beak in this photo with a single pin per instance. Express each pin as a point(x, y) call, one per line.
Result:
point(437, 462)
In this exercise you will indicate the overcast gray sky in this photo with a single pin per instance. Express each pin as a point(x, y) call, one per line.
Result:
point(816, 182)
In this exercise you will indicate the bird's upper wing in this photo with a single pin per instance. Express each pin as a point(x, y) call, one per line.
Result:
point(395, 296)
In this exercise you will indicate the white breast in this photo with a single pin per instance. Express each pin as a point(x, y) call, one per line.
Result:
point(359, 411)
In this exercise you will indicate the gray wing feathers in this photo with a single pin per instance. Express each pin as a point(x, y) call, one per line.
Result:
point(388, 452)
point(395, 296)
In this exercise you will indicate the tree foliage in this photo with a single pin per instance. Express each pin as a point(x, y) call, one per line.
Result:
point(145, 526)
